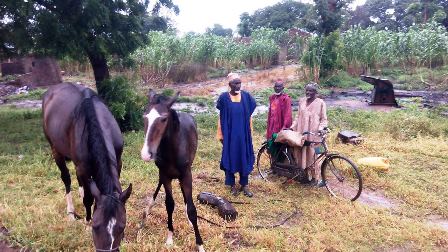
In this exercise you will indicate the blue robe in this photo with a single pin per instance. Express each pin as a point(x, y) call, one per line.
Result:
point(237, 151)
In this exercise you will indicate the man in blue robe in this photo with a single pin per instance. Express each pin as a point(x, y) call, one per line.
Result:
point(235, 133)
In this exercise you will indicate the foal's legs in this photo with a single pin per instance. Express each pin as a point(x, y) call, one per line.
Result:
point(152, 199)
point(65, 176)
point(169, 204)
point(186, 186)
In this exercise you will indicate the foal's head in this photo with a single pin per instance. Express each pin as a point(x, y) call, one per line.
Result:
point(156, 120)
point(109, 218)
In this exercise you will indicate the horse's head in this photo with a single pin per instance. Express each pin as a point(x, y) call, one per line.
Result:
point(156, 120)
point(109, 218)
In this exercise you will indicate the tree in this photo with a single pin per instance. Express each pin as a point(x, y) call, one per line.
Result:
point(399, 15)
point(330, 14)
point(245, 24)
point(283, 16)
point(13, 35)
point(218, 30)
point(424, 10)
point(444, 4)
point(79, 28)
point(359, 17)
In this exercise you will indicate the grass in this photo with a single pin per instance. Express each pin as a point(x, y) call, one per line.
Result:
point(32, 205)
point(418, 79)
point(343, 80)
point(35, 94)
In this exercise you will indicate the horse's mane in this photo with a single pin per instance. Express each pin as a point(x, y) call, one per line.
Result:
point(99, 161)
point(175, 122)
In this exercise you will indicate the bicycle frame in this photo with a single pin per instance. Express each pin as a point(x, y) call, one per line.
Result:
point(321, 157)
point(283, 163)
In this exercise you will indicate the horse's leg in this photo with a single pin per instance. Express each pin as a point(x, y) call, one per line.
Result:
point(81, 187)
point(88, 197)
point(65, 176)
point(186, 186)
point(152, 198)
point(169, 204)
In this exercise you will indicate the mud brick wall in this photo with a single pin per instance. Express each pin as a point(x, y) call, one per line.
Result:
point(34, 71)
point(12, 68)
point(45, 72)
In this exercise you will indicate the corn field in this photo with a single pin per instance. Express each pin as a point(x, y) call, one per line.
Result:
point(358, 51)
point(421, 46)
point(165, 51)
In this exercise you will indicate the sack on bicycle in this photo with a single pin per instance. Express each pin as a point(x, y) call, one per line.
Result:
point(291, 138)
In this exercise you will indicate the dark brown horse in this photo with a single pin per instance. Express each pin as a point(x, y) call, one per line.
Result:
point(79, 127)
point(171, 140)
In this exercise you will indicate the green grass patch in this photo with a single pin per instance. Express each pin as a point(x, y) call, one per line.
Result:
point(32, 204)
point(418, 79)
point(34, 94)
point(343, 80)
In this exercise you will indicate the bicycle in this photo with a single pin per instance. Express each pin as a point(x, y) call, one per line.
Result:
point(340, 175)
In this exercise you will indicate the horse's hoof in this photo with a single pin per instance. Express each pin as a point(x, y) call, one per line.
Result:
point(87, 222)
point(201, 248)
point(151, 203)
point(71, 216)
point(169, 239)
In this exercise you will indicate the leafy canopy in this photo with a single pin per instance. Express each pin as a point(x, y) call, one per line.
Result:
point(77, 27)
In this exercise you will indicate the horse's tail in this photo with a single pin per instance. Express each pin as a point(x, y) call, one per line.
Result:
point(97, 150)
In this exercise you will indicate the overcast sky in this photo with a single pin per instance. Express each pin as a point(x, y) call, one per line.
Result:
point(197, 15)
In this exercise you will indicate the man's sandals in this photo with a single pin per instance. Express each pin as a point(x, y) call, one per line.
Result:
point(245, 189)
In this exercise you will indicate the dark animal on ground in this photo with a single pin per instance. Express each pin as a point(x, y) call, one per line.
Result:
point(225, 208)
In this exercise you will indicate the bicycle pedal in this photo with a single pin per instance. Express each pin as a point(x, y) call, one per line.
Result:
point(289, 181)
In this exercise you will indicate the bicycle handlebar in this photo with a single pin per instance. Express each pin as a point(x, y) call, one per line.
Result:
point(320, 133)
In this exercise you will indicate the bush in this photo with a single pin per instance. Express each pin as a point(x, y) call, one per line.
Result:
point(343, 80)
point(124, 102)
point(35, 94)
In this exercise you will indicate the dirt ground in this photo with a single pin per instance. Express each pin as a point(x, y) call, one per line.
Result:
point(251, 80)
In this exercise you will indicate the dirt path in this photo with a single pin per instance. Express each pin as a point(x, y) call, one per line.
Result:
point(252, 80)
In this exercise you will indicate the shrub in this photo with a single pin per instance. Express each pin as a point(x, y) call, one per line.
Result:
point(35, 94)
point(343, 80)
point(124, 102)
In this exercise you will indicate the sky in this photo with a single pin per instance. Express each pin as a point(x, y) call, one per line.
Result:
point(197, 15)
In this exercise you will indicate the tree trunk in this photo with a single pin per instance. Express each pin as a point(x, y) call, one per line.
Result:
point(100, 69)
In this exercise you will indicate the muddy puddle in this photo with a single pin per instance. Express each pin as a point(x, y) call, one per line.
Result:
point(377, 199)
point(437, 221)
point(351, 100)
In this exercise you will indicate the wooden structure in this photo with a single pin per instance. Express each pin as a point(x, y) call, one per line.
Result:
point(383, 91)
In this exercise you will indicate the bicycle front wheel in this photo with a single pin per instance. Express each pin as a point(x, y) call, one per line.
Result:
point(342, 177)
point(264, 163)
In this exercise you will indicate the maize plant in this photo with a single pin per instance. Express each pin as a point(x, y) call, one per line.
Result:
point(421, 45)
point(166, 51)
point(156, 59)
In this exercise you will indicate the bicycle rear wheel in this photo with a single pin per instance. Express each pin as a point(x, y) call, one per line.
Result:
point(342, 177)
point(264, 162)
